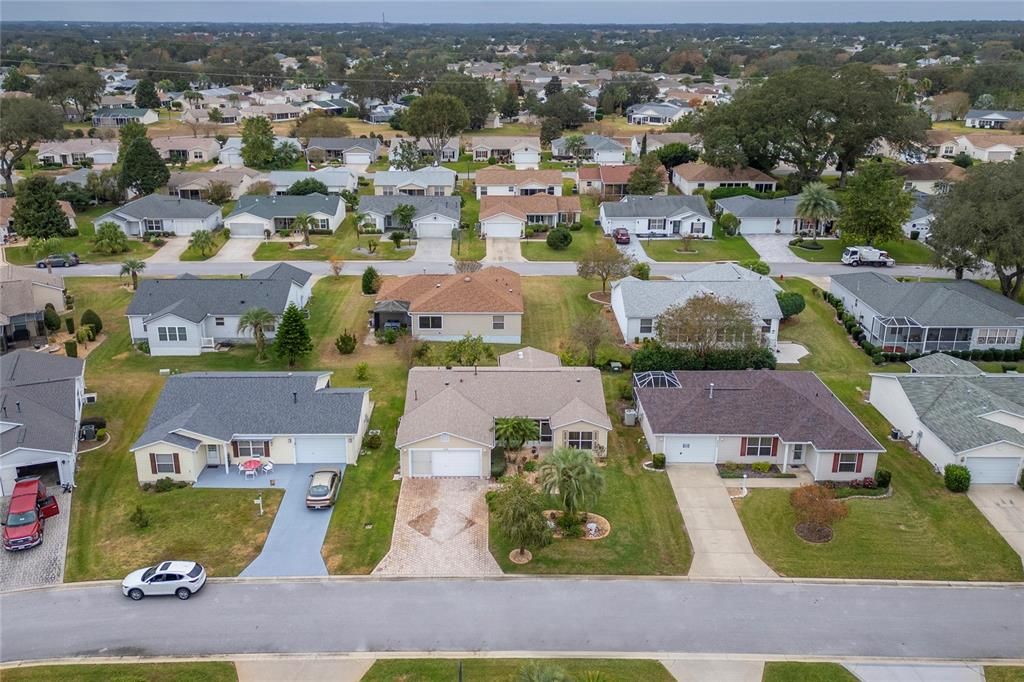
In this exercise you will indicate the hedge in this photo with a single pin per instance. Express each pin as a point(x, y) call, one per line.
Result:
point(655, 357)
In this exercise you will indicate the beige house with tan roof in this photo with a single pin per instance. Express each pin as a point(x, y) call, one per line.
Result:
point(487, 303)
point(7, 226)
point(509, 216)
point(495, 182)
point(990, 147)
point(448, 426)
point(524, 152)
point(689, 177)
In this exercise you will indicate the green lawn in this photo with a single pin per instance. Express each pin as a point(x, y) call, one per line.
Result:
point(507, 670)
point(190, 254)
point(806, 672)
point(538, 250)
point(207, 671)
point(1004, 673)
point(469, 246)
point(921, 532)
point(82, 244)
point(339, 245)
point(720, 248)
point(552, 303)
point(904, 251)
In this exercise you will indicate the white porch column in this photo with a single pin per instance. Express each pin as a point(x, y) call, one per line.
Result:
point(785, 457)
point(227, 463)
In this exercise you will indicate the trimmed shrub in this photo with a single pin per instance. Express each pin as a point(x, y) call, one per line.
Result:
point(372, 441)
point(1020, 482)
point(957, 478)
point(756, 265)
point(883, 477)
point(641, 271)
point(69, 324)
point(497, 462)
point(51, 320)
point(761, 467)
point(143, 347)
point(791, 303)
point(362, 371)
point(530, 466)
point(658, 460)
point(371, 280)
point(559, 239)
point(345, 343)
point(139, 518)
point(91, 318)
point(654, 357)
point(71, 349)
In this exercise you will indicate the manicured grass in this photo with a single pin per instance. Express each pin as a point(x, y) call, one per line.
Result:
point(722, 247)
point(469, 246)
point(806, 672)
point(552, 304)
point(207, 671)
point(1004, 673)
point(339, 245)
point(82, 244)
point(507, 670)
point(190, 254)
point(921, 532)
point(468, 166)
point(904, 251)
point(538, 250)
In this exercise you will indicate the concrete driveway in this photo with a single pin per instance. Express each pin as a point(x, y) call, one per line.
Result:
point(170, 252)
point(504, 250)
point(433, 249)
point(42, 565)
point(440, 530)
point(773, 248)
point(721, 548)
point(236, 250)
point(1003, 506)
point(635, 249)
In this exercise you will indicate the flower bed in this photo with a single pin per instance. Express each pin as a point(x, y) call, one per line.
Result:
point(736, 470)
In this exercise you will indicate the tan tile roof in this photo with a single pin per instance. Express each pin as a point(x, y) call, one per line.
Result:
point(7, 208)
point(989, 140)
point(490, 290)
point(504, 142)
point(495, 175)
point(937, 137)
point(697, 171)
point(536, 204)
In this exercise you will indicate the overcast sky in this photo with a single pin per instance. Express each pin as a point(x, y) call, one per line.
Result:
point(510, 11)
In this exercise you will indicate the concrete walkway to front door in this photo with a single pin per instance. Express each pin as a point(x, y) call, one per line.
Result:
point(721, 548)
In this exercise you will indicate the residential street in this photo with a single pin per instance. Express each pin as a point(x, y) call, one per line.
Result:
point(547, 615)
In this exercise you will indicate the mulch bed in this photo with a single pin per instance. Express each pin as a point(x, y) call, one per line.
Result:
point(812, 532)
point(604, 528)
point(520, 559)
point(603, 297)
point(751, 473)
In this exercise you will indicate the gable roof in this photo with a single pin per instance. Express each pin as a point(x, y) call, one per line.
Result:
point(232, 176)
point(289, 403)
point(990, 140)
point(743, 206)
point(934, 171)
point(450, 207)
point(727, 272)
point(529, 357)
point(523, 206)
point(660, 108)
point(422, 177)
point(614, 174)
point(286, 205)
point(118, 112)
point(329, 176)
point(46, 388)
point(699, 171)
point(495, 175)
point(940, 363)
point(598, 143)
point(163, 207)
point(283, 271)
point(7, 209)
point(79, 145)
point(344, 144)
point(996, 114)
point(166, 143)
point(489, 290)
point(795, 405)
point(655, 207)
point(650, 298)
point(505, 142)
point(194, 299)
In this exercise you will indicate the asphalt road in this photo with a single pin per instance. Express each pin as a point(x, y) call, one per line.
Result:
point(553, 615)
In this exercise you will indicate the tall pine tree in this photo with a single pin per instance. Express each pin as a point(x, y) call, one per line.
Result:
point(37, 213)
point(142, 169)
point(145, 95)
point(647, 177)
point(129, 132)
point(292, 341)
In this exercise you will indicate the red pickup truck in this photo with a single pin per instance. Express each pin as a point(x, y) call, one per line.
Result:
point(30, 507)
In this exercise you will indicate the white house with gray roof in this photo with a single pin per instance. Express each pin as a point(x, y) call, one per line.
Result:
point(336, 180)
point(260, 216)
point(357, 152)
point(435, 216)
point(597, 149)
point(992, 119)
point(212, 421)
point(161, 214)
point(921, 317)
point(231, 151)
point(41, 398)
point(763, 216)
point(657, 216)
point(656, 113)
point(187, 315)
point(434, 181)
point(450, 151)
point(953, 413)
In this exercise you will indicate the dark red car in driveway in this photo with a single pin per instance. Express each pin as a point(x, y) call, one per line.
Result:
point(30, 507)
point(620, 235)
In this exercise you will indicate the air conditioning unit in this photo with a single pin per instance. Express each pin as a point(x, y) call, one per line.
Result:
point(629, 417)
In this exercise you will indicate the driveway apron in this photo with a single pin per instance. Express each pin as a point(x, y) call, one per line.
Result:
point(170, 252)
point(433, 249)
point(721, 548)
point(237, 250)
point(503, 250)
point(1003, 506)
point(882, 672)
point(635, 249)
point(773, 248)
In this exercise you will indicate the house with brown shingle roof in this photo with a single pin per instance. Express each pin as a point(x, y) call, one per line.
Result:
point(689, 177)
point(788, 419)
point(509, 216)
point(487, 303)
point(931, 178)
point(523, 152)
point(610, 182)
point(448, 425)
point(495, 181)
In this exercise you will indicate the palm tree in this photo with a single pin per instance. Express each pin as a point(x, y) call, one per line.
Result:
point(201, 241)
point(573, 476)
point(304, 223)
point(513, 432)
point(817, 204)
point(519, 514)
point(257, 320)
point(41, 247)
point(192, 97)
point(132, 267)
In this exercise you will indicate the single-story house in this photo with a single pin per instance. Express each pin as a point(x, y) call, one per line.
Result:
point(352, 151)
point(920, 317)
point(274, 112)
point(24, 295)
point(449, 153)
point(992, 118)
point(196, 185)
point(789, 419)
point(158, 213)
point(610, 181)
point(656, 141)
point(495, 181)
point(637, 305)
point(382, 113)
point(990, 147)
point(231, 152)
point(298, 419)
point(953, 413)
point(120, 116)
point(597, 149)
point(117, 102)
point(931, 178)
point(75, 151)
point(487, 303)
point(430, 182)
point(337, 180)
point(764, 216)
point(689, 177)
point(659, 216)
point(434, 217)
point(78, 177)
point(522, 152)
point(656, 113)
point(921, 216)
point(178, 148)
point(41, 398)
point(448, 425)
point(7, 225)
point(186, 315)
point(509, 216)
point(941, 143)
point(226, 115)
point(258, 216)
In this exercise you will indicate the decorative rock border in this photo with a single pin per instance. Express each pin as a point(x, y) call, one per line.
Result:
point(884, 496)
point(604, 527)
point(106, 439)
point(518, 559)
point(649, 466)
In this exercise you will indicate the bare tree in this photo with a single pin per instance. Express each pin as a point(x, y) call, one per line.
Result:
point(589, 331)
point(604, 261)
point(467, 266)
point(707, 322)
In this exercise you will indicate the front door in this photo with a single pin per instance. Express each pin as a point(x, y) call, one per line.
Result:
point(798, 453)
point(212, 456)
point(676, 226)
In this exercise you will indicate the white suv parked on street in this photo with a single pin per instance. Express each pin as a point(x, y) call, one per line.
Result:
point(180, 578)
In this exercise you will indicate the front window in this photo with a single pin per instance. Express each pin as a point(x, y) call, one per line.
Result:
point(656, 224)
point(388, 191)
point(646, 326)
point(198, 156)
point(325, 223)
point(252, 448)
point(171, 334)
point(153, 225)
point(164, 463)
point(498, 322)
point(218, 321)
point(430, 322)
point(996, 336)
point(798, 452)
point(545, 430)
point(581, 440)
point(848, 462)
point(24, 518)
point(759, 447)
point(483, 190)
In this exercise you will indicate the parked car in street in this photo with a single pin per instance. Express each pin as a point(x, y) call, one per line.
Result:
point(58, 260)
point(27, 512)
point(620, 235)
point(180, 578)
point(323, 489)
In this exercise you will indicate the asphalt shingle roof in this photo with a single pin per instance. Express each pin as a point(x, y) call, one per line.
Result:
point(598, 143)
point(753, 207)
point(422, 177)
point(194, 299)
point(450, 207)
point(44, 385)
point(940, 363)
point(370, 144)
point(649, 299)
point(163, 207)
point(286, 205)
point(655, 207)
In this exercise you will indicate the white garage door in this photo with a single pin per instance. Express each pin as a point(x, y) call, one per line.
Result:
point(758, 226)
point(428, 230)
point(246, 229)
point(993, 469)
point(438, 462)
point(320, 450)
point(502, 228)
point(357, 158)
point(689, 449)
point(1000, 156)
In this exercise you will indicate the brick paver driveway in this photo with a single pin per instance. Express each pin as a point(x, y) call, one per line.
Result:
point(440, 530)
point(42, 565)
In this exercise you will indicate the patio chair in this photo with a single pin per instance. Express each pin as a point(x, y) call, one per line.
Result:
point(268, 467)
point(250, 473)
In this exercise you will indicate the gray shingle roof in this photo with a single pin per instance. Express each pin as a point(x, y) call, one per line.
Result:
point(753, 207)
point(598, 143)
point(196, 402)
point(285, 205)
point(117, 112)
point(1004, 113)
point(163, 207)
point(424, 177)
point(45, 387)
point(940, 363)
point(283, 271)
point(328, 176)
point(344, 144)
point(949, 303)
point(649, 299)
point(446, 206)
point(727, 272)
point(655, 207)
point(194, 299)
point(77, 177)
